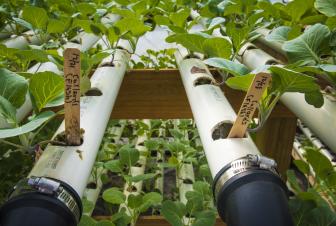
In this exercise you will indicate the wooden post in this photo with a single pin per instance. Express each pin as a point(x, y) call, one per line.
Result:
point(72, 95)
point(275, 140)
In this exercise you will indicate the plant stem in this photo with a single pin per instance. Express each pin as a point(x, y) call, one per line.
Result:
point(12, 144)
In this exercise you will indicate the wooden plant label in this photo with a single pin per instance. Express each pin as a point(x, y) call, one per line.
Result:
point(72, 95)
point(250, 104)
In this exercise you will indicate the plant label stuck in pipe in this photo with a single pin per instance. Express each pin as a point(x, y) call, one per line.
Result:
point(72, 95)
point(260, 82)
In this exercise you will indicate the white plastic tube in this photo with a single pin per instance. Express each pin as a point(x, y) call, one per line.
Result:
point(23, 41)
point(210, 108)
point(73, 164)
point(322, 121)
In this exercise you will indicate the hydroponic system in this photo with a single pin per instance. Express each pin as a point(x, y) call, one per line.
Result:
point(160, 112)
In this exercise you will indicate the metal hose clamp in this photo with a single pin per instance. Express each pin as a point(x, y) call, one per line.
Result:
point(49, 187)
point(242, 165)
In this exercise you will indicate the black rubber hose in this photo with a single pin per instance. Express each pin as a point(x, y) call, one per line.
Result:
point(254, 198)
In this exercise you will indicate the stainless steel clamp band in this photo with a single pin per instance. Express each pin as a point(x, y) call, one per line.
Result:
point(49, 187)
point(242, 165)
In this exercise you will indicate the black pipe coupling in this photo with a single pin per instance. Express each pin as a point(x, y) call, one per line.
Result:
point(250, 192)
point(40, 201)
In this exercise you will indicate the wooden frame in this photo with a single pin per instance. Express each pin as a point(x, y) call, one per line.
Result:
point(151, 94)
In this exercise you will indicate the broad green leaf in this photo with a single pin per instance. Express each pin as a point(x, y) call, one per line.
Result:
point(33, 55)
point(193, 42)
point(13, 87)
point(7, 110)
point(57, 101)
point(173, 212)
point(57, 26)
point(150, 199)
point(279, 34)
point(152, 144)
point(292, 180)
point(88, 206)
point(23, 23)
point(7, 52)
point(142, 177)
point(328, 67)
point(175, 147)
point(128, 156)
point(321, 164)
point(327, 7)
point(238, 35)
point(300, 210)
point(309, 46)
point(113, 166)
point(314, 98)
point(287, 80)
point(240, 82)
point(176, 133)
point(134, 201)
point(132, 24)
point(87, 221)
point(28, 127)
point(162, 20)
point(234, 68)
point(195, 201)
point(45, 87)
point(297, 8)
point(86, 8)
point(35, 16)
point(179, 18)
point(217, 47)
point(215, 22)
point(331, 22)
point(205, 217)
point(114, 196)
point(302, 166)
point(105, 223)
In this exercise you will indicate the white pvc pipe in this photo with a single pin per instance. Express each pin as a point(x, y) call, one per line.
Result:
point(6, 32)
point(92, 194)
point(210, 108)
point(273, 45)
point(322, 121)
point(73, 164)
point(23, 41)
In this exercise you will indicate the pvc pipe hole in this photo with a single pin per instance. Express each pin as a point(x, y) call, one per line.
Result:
point(94, 92)
point(222, 130)
point(187, 181)
point(107, 64)
point(132, 189)
point(60, 139)
point(153, 153)
point(191, 56)
point(76, 41)
point(91, 185)
point(271, 62)
point(138, 164)
point(202, 81)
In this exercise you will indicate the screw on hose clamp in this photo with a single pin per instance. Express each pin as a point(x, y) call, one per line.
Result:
point(241, 165)
point(45, 185)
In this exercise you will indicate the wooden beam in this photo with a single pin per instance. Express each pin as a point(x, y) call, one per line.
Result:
point(161, 95)
point(275, 140)
point(154, 221)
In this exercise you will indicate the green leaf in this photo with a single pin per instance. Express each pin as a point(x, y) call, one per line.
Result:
point(234, 68)
point(302, 166)
point(142, 177)
point(45, 87)
point(150, 199)
point(114, 196)
point(193, 42)
point(35, 16)
point(57, 26)
point(314, 98)
point(86, 8)
point(292, 180)
point(327, 7)
point(128, 156)
point(162, 20)
point(205, 217)
point(134, 201)
point(28, 127)
point(173, 212)
point(7, 110)
point(152, 144)
point(176, 134)
point(215, 22)
point(179, 18)
point(104, 223)
point(240, 82)
point(32, 55)
point(279, 34)
point(287, 80)
point(132, 24)
point(87, 221)
point(321, 164)
point(309, 46)
point(88, 206)
point(113, 166)
point(195, 201)
point(217, 47)
point(13, 87)
point(296, 9)
point(238, 35)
